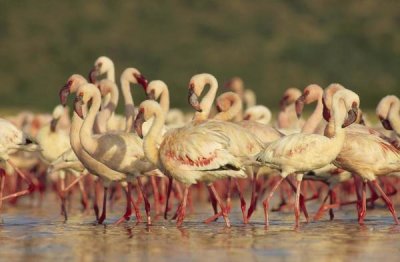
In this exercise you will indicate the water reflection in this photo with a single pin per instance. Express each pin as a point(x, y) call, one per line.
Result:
point(39, 233)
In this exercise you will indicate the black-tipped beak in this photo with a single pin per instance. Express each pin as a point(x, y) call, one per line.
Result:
point(326, 113)
point(386, 123)
point(194, 99)
point(139, 123)
point(151, 95)
point(78, 103)
point(53, 125)
point(141, 80)
point(351, 116)
point(300, 105)
point(64, 93)
point(93, 75)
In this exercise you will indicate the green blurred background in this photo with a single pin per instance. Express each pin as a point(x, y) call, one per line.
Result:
point(271, 44)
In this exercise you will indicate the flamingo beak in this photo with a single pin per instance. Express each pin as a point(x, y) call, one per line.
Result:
point(247, 117)
point(139, 123)
point(194, 99)
point(351, 115)
point(53, 124)
point(151, 95)
point(141, 80)
point(93, 75)
point(300, 104)
point(326, 113)
point(385, 123)
point(64, 93)
point(283, 103)
point(78, 103)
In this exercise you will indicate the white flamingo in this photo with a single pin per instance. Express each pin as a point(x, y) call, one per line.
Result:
point(299, 153)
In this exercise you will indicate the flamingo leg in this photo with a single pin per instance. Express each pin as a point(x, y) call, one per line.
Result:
point(128, 211)
point(297, 202)
point(156, 194)
point(181, 212)
point(321, 209)
point(224, 210)
point(332, 200)
point(268, 199)
point(242, 201)
point(103, 213)
point(95, 198)
point(213, 201)
point(254, 197)
point(228, 196)
point(146, 201)
point(2, 181)
point(363, 206)
point(387, 200)
point(169, 190)
point(63, 199)
point(301, 200)
point(84, 199)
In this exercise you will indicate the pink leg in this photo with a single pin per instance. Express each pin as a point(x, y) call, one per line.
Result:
point(387, 200)
point(213, 200)
point(223, 209)
point(95, 199)
point(332, 200)
point(182, 208)
point(103, 213)
point(254, 197)
point(2, 181)
point(321, 209)
point(84, 196)
point(268, 199)
point(302, 202)
point(128, 211)
point(297, 204)
point(363, 205)
point(169, 190)
point(155, 194)
point(146, 201)
point(242, 202)
point(63, 199)
point(228, 195)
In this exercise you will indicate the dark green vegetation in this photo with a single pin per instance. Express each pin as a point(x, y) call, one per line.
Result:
point(271, 44)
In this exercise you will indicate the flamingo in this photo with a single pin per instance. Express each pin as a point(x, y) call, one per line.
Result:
point(287, 119)
point(258, 113)
point(194, 153)
point(299, 153)
point(388, 113)
point(236, 85)
point(92, 165)
point(103, 65)
point(230, 104)
point(13, 140)
point(119, 151)
point(383, 158)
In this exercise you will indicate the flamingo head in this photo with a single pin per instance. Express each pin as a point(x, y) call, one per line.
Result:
point(289, 97)
point(141, 79)
point(299, 104)
point(155, 89)
point(64, 92)
point(78, 104)
point(235, 84)
point(193, 98)
point(140, 119)
point(351, 115)
point(385, 123)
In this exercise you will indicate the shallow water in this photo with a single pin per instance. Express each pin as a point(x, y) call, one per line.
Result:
point(28, 233)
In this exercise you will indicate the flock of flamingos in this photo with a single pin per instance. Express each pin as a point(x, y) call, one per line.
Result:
point(231, 147)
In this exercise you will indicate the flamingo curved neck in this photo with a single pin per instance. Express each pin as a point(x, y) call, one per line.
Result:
point(207, 101)
point(164, 100)
point(104, 115)
point(89, 143)
point(394, 116)
point(129, 106)
point(231, 113)
point(150, 141)
point(315, 118)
